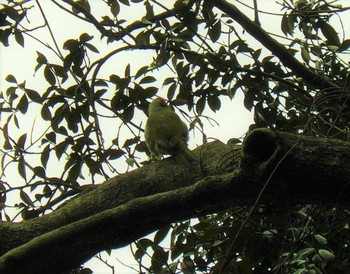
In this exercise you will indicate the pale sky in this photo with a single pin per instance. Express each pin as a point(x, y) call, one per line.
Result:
point(233, 118)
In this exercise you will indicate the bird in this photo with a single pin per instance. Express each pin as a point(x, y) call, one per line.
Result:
point(166, 133)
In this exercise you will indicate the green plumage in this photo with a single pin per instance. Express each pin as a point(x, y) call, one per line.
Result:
point(165, 133)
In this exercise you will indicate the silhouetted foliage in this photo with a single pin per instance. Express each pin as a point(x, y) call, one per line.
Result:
point(88, 117)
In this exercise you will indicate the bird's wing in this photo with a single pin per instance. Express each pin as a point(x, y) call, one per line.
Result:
point(166, 128)
point(151, 144)
point(185, 135)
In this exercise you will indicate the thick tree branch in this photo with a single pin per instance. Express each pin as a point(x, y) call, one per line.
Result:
point(313, 79)
point(153, 178)
point(292, 169)
point(115, 227)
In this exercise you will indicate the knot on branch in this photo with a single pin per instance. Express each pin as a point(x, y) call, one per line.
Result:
point(261, 151)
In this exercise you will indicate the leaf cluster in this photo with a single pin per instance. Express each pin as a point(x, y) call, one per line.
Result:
point(83, 115)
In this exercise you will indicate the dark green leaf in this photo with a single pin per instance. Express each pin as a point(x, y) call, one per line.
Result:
point(214, 103)
point(305, 55)
point(22, 168)
point(92, 48)
point(51, 136)
point(141, 71)
point(320, 239)
point(11, 79)
point(142, 246)
point(131, 141)
point(128, 114)
point(171, 91)
point(84, 5)
point(115, 8)
point(49, 76)
point(25, 198)
point(147, 79)
point(127, 71)
point(149, 92)
point(99, 93)
point(47, 191)
point(159, 258)
point(125, 2)
point(61, 148)
point(62, 130)
point(161, 234)
point(11, 92)
point(177, 251)
point(45, 155)
point(200, 105)
point(168, 81)
point(345, 45)
point(7, 144)
point(41, 59)
point(21, 141)
point(94, 166)
point(40, 172)
point(33, 95)
point(141, 147)
point(45, 113)
point(330, 33)
point(15, 120)
point(74, 173)
point(22, 105)
point(326, 255)
point(149, 10)
point(114, 153)
point(248, 99)
point(19, 38)
point(84, 37)
point(287, 24)
point(215, 31)
point(59, 71)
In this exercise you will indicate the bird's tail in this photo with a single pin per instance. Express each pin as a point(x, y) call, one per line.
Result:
point(184, 155)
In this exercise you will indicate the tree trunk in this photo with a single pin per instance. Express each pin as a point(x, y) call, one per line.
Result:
point(276, 168)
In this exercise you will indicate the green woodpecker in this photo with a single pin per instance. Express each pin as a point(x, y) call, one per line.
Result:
point(165, 133)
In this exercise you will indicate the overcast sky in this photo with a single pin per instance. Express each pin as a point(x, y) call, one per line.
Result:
point(233, 118)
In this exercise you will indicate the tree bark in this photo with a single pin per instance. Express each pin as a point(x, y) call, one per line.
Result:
point(276, 168)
